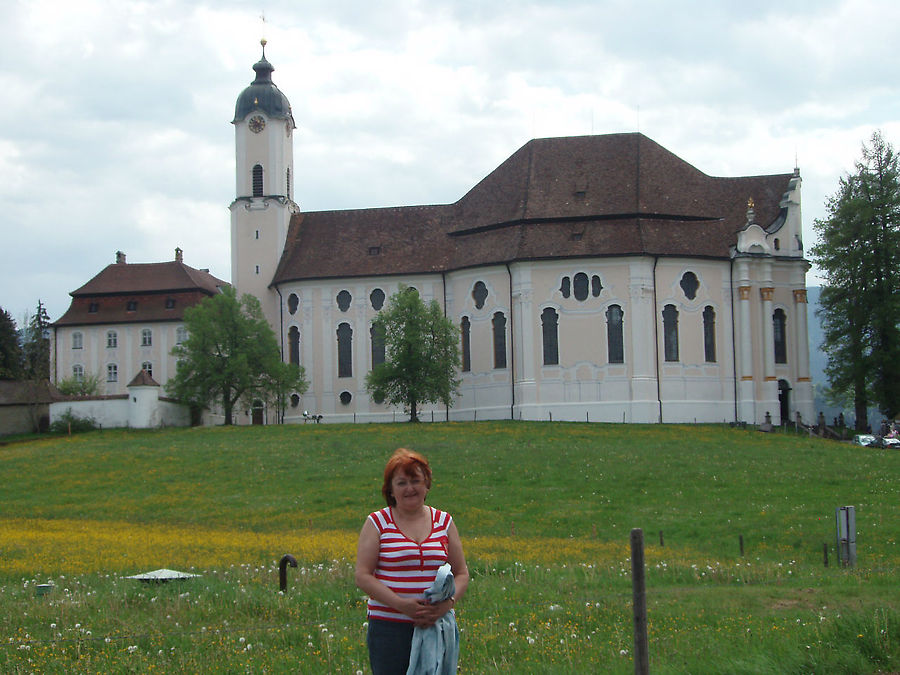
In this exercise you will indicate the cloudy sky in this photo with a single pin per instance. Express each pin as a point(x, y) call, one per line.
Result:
point(115, 126)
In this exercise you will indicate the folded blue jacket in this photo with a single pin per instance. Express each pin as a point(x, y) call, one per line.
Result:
point(435, 650)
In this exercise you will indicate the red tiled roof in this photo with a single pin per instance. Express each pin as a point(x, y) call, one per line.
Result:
point(105, 298)
point(143, 379)
point(618, 194)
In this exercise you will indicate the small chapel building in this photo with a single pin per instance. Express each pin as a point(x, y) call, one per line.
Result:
point(593, 278)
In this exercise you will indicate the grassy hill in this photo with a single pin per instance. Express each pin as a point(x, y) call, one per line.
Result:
point(544, 510)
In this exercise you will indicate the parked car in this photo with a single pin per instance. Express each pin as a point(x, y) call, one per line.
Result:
point(864, 440)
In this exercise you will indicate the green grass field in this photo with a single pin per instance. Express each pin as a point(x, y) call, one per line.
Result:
point(544, 511)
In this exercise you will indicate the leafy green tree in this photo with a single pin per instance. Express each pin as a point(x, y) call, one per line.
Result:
point(859, 253)
point(86, 385)
point(11, 356)
point(421, 354)
point(37, 345)
point(230, 354)
point(279, 383)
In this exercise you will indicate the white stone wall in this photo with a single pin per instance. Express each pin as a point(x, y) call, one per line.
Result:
point(583, 386)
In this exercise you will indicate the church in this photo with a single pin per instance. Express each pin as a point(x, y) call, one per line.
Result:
point(594, 278)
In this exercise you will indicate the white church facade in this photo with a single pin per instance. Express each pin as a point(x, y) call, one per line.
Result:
point(596, 278)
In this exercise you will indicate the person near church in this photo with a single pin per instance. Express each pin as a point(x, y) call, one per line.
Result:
point(401, 548)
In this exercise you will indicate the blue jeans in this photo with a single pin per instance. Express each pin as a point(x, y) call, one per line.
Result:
point(389, 644)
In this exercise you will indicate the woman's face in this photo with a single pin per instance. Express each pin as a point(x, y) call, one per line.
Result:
point(409, 490)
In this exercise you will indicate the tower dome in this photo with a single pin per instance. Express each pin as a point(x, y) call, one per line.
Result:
point(262, 95)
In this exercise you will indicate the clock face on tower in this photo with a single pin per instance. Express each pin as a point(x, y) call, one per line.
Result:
point(257, 124)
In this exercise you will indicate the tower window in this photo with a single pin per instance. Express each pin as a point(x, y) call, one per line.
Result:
point(690, 284)
point(779, 321)
point(257, 180)
point(293, 303)
point(479, 294)
point(288, 183)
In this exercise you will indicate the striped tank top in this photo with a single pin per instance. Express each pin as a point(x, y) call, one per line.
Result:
point(405, 566)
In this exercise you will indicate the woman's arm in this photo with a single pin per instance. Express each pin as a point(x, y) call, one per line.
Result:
point(428, 614)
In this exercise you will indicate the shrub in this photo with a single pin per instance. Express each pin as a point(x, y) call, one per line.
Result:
point(69, 422)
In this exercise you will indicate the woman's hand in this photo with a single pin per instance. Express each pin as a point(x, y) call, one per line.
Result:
point(426, 615)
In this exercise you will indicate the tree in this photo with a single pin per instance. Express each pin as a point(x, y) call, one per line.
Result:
point(37, 345)
point(279, 383)
point(421, 354)
point(86, 385)
point(11, 356)
point(859, 253)
point(230, 354)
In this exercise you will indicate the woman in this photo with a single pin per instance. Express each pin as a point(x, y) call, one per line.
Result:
point(400, 550)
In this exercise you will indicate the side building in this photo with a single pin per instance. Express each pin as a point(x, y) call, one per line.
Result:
point(126, 320)
point(593, 278)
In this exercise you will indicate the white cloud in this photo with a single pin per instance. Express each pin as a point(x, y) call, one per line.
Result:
point(115, 130)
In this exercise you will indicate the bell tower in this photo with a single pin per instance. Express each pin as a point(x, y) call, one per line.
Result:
point(263, 203)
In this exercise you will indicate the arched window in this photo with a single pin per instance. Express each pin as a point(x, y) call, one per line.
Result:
point(146, 337)
point(709, 334)
point(596, 286)
point(77, 340)
point(670, 332)
point(343, 300)
point(550, 329)
point(377, 337)
point(779, 321)
point(293, 303)
point(565, 287)
point(294, 346)
point(479, 294)
point(690, 284)
point(257, 180)
point(615, 339)
point(580, 286)
point(345, 350)
point(465, 327)
point(376, 297)
point(499, 323)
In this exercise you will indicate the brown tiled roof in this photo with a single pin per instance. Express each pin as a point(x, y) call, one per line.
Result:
point(123, 278)
point(150, 285)
point(618, 194)
point(143, 379)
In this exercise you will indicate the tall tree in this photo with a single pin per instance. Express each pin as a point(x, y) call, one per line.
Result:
point(230, 354)
point(11, 357)
point(421, 354)
point(859, 253)
point(37, 345)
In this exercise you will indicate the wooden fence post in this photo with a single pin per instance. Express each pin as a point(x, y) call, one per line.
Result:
point(638, 583)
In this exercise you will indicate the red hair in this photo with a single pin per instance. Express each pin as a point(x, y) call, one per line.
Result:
point(408, 462)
